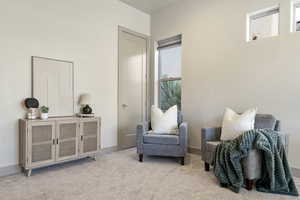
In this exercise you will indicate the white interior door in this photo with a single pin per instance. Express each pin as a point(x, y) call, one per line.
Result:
point(132, 86)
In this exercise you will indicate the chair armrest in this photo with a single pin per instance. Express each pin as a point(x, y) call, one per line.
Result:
point(183, 135)
point(285, 141)
point(141, 130)
point(209, 134)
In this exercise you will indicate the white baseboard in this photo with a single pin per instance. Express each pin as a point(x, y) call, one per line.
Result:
point(10, 170)
point(108, 150)
point(15, 169)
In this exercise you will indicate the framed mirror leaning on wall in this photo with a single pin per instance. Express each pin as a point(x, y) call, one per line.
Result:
point(53, 85)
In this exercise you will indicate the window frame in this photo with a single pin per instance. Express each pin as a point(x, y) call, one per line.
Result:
point(259, 14)
point(294, 6)
point(164, 45)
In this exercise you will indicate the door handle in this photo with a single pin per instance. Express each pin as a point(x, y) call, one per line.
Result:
point(124, 105)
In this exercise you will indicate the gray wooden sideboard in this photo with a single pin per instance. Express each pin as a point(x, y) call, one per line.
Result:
point(57, 140)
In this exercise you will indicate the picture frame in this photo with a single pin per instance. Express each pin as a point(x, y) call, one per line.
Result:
point(53, 85)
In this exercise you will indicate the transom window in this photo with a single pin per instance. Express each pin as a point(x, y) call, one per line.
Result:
point(263, 24)
point(295, 24)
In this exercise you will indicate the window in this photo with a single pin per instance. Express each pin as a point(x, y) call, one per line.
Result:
point(169, 65)
point(263, 24)
point(295, 16)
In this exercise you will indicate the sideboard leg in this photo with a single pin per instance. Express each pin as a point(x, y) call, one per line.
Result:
point(95, 158)
point(28, 172)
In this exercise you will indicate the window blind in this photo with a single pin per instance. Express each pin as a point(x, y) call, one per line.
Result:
point(264, 14)
point(172, 41)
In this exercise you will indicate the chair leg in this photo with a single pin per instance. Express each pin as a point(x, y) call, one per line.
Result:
point(206, 167)
point(141, 156)
point(249, 184)
point(182, 160)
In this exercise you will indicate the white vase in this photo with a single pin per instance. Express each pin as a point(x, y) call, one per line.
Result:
point(44, 115)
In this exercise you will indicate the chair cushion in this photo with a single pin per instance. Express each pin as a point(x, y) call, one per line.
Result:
point(211, 146)
point(263, 121)
point(161, 139)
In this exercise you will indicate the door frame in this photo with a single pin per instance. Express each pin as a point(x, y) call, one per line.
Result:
point(146, 107)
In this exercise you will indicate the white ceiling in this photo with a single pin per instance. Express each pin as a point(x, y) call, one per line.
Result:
point(149, 6)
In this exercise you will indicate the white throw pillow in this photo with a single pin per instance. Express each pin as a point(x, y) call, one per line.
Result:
point(164, 123)
point(235, 124)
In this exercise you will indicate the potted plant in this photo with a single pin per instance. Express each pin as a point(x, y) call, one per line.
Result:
point(44, 112)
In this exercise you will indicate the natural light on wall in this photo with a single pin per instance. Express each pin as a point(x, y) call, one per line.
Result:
point(263, 24)
point(295, 16)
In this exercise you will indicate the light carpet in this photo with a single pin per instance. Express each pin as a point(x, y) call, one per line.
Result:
point(119, 176)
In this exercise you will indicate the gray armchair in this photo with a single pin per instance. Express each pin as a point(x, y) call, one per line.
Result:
point(252, 163)
point(162, 145)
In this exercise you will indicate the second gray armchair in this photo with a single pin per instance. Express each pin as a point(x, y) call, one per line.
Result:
point(252, 163)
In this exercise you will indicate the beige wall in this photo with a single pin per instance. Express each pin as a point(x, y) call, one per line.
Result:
point(220, 69)
point(83, 31)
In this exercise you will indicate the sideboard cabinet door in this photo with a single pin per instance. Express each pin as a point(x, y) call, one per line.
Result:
point(41, 143)
point(66, 140)
point(89, 136)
